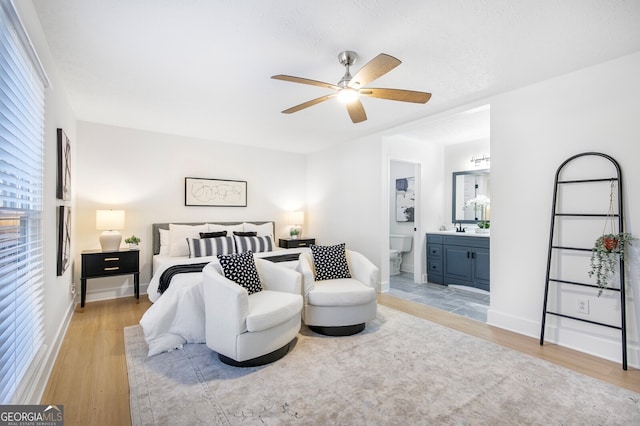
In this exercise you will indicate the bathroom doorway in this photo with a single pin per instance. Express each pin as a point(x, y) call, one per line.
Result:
point(405, 218)
point(439, 146)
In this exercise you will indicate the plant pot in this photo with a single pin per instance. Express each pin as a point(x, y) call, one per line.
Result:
point(133, 246)
point(294, 237)
point(610, 243)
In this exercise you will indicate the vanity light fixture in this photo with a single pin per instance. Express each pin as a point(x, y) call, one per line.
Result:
point(477, 160)
point(110, 222)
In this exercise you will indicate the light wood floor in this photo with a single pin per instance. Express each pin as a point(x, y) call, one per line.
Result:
point(90, 374)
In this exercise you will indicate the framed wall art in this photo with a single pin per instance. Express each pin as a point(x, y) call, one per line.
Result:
point(63, 191)
point(64, 238)
point(215, 192)
point(405, 199)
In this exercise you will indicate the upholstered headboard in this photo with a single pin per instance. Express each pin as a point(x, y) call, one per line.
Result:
point(155, 227)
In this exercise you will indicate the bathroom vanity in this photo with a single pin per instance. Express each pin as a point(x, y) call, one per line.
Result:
point(458, 258)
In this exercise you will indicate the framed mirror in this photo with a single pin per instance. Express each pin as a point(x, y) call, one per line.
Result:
point(466, 186)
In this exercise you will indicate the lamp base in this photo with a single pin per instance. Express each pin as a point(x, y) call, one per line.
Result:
point(110, 240)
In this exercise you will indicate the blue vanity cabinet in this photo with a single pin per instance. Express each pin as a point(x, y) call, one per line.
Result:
point(434, 259)
point(464, 260)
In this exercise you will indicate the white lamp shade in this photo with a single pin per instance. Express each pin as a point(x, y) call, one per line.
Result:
point(296, 218)
point(109, 220)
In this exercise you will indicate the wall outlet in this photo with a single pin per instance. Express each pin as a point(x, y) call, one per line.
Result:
point(582, 306)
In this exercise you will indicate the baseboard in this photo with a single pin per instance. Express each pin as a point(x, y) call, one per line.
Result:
point(609, 349)
point(385, 286)
point(35, 382)
point(114, 293)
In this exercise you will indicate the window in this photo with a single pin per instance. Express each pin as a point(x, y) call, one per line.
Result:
point(22, 83)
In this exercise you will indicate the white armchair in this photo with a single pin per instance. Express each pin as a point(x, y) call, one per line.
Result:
point(248, 330)
point(339, 307)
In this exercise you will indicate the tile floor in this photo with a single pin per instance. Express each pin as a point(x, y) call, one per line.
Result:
point(467, 303)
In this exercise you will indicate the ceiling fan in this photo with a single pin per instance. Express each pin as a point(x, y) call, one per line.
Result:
point(350, 88)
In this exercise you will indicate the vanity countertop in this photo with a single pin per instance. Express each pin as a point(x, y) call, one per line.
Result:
point(461, 234)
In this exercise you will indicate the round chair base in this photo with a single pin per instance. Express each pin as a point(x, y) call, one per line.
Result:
point(345, 330)
point(255, 362)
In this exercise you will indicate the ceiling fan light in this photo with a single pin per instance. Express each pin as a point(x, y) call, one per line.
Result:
point(347, 95)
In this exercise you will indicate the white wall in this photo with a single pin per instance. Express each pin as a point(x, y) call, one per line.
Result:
point(143, 173)
point(58, 301)
point(345, 198)
point(533, 130)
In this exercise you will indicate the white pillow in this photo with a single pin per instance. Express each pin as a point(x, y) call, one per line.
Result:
point(178, 235)
point(266, 229)
point(216, 227)
point(164, 241)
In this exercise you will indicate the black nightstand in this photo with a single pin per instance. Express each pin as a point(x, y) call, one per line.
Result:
point(98, 264)
point(300, 242)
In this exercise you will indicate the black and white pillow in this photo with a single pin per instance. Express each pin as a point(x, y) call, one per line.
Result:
point(241, 269)
point(213, 234)
point(245, 234)
point(330, 262)
point(254, 244)
point(201, 247)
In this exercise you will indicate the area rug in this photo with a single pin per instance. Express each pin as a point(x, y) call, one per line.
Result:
point(401, 370)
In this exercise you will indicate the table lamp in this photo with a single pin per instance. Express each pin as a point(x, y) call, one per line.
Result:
point(110, 222)
point(297, 219)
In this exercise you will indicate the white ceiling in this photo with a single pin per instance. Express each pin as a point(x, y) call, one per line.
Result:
point(202, 68)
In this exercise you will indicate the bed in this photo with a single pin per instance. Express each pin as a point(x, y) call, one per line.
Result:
point(177, 314)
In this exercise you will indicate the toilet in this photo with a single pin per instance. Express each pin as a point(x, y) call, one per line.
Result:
point(398, 244)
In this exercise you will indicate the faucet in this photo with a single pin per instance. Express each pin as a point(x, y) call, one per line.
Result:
point(459, 228)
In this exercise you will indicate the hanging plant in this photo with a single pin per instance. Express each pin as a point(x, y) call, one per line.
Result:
point(608, 250)
point(606, 254)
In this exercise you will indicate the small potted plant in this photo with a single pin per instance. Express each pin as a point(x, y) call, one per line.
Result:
point(133, 242)
point(606, 254)
point(484, 224)
point(294, 232)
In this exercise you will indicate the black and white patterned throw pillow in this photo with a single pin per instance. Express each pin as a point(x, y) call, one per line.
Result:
point(330, 262)
point(241, 269)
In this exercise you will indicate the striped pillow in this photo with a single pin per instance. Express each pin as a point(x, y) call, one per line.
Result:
point(254, 244)
point(201, 247)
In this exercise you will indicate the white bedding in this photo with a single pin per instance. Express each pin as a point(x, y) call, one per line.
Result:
point(177, 316)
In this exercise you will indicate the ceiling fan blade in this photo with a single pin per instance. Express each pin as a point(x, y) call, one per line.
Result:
point(356, 111)
point(397, 95)
point(305, 81)
point(375, 68)
point(308, 104)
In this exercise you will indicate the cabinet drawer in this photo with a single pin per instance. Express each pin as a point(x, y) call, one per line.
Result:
point(481, 242)
point(434, 266)
point(433, 238)
point(113, 263)
point(434, 250)
point(302, 242)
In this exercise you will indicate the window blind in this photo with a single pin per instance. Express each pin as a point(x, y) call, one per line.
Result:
point(21, 182)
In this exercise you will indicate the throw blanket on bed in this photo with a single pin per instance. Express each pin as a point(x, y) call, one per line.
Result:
point(170, 272)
